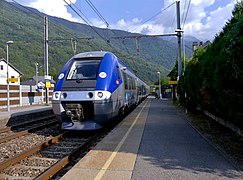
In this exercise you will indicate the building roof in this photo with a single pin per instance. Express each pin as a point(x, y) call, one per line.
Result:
point(32, 80)
point(12, 66)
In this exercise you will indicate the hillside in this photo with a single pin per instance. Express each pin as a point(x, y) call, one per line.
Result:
point(25, 26)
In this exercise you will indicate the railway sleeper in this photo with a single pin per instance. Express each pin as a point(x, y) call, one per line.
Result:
point(53, 154)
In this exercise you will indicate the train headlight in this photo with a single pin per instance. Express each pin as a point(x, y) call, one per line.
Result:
point(100, 94)
point(56, 95)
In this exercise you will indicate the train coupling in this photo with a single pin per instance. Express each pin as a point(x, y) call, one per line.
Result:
point(74, 111)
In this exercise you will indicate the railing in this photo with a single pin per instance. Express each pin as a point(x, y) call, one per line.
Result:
point(22, 95)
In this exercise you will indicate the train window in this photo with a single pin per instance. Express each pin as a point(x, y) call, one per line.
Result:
point(130, 82)
point(125, 80)
point(118, 72)
point(133, 83)
point(85, 69)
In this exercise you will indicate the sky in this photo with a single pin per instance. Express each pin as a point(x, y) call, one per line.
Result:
point(205, 18)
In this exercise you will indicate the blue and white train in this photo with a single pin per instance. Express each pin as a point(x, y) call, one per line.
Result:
point(93, 88)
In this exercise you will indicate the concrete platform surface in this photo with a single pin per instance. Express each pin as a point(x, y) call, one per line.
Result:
point(155, 141)
point(18, 112)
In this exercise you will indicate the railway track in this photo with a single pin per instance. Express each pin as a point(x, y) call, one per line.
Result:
point(43, 153)
point(45, 159)
point(25, 128)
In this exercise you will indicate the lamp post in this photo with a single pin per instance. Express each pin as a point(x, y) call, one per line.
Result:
point(36, 74)
point(8, 98)
point(159, 86)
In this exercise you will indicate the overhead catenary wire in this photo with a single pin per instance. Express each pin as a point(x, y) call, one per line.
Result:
point(103, 38)
point(158, 13)
point(87, 24)
point(188, 7)
point(41, 19)
point(72, 36)
point(184, 10)
point(85, 20)
point(97, 12)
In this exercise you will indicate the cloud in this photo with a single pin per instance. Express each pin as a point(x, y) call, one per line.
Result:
point(199, 23)
point(218, 18)
point(207, 24)
point(56, 8)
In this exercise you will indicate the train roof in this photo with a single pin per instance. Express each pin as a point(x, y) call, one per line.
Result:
point(102, 54)
point(91, 54)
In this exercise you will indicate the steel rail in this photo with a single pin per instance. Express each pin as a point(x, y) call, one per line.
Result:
point(29, 152)
point(26, 132)
point(14, 136)
point(49, 173)
point(5, 130)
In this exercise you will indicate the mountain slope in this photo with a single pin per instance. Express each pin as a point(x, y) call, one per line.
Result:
point(25, 26)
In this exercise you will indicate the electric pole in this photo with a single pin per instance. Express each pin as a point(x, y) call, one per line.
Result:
point(46, 58)
point(179, 31)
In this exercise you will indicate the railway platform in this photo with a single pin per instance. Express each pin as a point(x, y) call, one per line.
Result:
point(155, 141)
point(17, 114)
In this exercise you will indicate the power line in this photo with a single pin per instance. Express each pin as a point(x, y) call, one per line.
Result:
point(97, 12)
point(106, 40)
point(143, 36)
point(186, 14)
point(154, 16)
point(41, 19)
point(85, 21)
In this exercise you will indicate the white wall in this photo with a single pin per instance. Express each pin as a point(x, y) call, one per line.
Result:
point(12, 72)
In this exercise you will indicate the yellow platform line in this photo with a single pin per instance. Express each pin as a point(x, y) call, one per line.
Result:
point(114, 153)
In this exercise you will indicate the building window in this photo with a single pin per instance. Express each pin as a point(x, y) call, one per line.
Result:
point(1, 67)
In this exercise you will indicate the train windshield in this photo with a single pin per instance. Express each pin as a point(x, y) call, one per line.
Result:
point(84, 69)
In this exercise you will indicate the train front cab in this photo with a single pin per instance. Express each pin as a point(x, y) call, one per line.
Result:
point(88, 102)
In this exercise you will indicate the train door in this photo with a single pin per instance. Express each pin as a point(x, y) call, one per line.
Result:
point(118, 100)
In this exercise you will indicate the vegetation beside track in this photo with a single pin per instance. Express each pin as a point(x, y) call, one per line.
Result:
point(213, 79)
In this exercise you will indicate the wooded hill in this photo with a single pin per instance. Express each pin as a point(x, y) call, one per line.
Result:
point(25, 26)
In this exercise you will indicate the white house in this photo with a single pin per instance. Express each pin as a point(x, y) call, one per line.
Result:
point(13, 73)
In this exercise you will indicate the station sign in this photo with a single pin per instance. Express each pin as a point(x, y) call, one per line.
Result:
point(48, 84)
point(173, 82)
point(47, 77)
point(13, 80)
